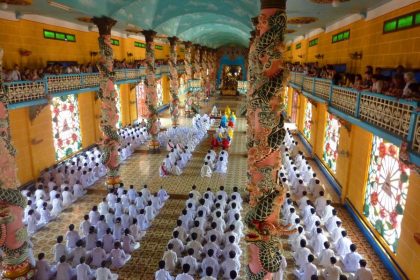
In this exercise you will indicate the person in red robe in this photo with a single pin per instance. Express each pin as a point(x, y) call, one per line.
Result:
point(214, 143)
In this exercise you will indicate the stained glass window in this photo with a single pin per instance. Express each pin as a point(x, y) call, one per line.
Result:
point(66, 126)
point(331, 139)
point(119, 123)
point(286, 99)
point(159, 90)
point(141, 100)
point(308, 121)
point(386, 191)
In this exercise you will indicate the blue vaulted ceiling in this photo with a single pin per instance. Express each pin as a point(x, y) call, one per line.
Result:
point(212, 23)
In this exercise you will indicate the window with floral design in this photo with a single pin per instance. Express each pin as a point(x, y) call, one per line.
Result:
point(331, 139)
point(65, 126)
point(141, 100)
point(159, 91)
point(286, 99)
point(386, 191)
point(308, 121)
point(119, 123)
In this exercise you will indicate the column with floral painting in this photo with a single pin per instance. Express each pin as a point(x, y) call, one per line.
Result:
point(151, 93)
point(13, 234)
point(173, 76)
point(108, 96)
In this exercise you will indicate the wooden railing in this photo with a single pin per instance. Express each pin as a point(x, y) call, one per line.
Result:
point(397, 117)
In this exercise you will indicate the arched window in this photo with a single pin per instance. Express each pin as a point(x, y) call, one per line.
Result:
point(331, 139)
point(159, 91)
point(386, 191)
point(66, 126)
point(308, 121)
point(118, 101)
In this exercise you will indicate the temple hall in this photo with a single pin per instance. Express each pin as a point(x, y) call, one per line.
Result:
point(209, 139)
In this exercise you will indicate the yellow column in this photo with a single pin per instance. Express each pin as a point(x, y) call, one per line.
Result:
point(87, 118)
point(165, 89)
point(125, 103)
point(321, 121)
point(133, 105)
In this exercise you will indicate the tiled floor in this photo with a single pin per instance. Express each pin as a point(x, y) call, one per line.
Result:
point(142, 168)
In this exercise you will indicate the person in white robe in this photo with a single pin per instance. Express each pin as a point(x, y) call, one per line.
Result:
point(279, 274)
point(108, 241)
point(185, 275)
point(206, 170)
point(221, 166)
point(64, 270)
point(45, 214)
point(363, 273)
point(178, 246)
point(72, 236)
point(192, 261)
point(325, 256)
point(210, 261)
point(163, 195)
point(78, 190)
point(170, 258)
point(162, 273)
point(83, 271)
point(150, 212)
point(103, 273)
point(320, 203)
point(78, 253)
point(43, 269)
point(176, 170)
point(98, 255)
point(129, 242)
point(118, 257)
point(331, 223)
point(343, 245)
point(68, 197)
point(163, 170)
point(352, 259)
point(301, 255)
point(230, 264)
point(57, 205)
point(332, 271)
point(318, 242)
point(327, 213)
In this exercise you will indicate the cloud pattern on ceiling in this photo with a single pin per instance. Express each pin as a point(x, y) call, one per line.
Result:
point(212, 23)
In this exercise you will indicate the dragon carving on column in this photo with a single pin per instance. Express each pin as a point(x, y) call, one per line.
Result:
point(108, 96)
point(173, 76)
point(13, 233)
point(265, 135)
point(151, 93)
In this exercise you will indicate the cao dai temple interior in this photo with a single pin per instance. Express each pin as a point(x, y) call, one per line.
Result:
point(209, 139)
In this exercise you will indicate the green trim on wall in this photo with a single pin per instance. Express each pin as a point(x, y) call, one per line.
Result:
point(313, 42)
point(342, 36)
point(402, 22)
point(298, 46)
point(115, 42)
point(55, 35)
point(139, 45)
point(158, 47)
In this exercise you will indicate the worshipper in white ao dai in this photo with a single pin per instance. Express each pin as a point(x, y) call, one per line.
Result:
point(162, 274)
point(170, 258)
point(206, 170)
point(43, 270)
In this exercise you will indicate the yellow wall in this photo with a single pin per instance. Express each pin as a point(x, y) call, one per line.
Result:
point(86, 104)
point(384, 50)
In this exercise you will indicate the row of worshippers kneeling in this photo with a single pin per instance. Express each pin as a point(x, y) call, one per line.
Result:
point(321, 246)
point(214, 162)
point(68, 181)
point(107, 236)
point(206, 239)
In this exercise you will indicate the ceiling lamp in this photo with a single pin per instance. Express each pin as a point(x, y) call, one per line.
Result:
point(16, 2)
point(301, 20)
point(334, 3)
point(59, 6)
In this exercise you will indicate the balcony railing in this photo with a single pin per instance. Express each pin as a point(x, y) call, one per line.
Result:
point(395, 116)
point(24, 91)
point(243, 87)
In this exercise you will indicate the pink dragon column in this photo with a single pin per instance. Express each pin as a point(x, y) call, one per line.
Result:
point(151, 93)
point(173, 71)
point(108, 96)
point(265, 135)
point(13, 233)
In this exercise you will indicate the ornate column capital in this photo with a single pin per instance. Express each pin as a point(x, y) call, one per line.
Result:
point(173, 40)
point(104, 24)
point(273, 4)
point(187, 44)
point(149, 35)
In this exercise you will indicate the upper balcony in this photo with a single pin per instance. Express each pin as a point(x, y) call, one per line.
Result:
point(28, 93)
point(394, 119)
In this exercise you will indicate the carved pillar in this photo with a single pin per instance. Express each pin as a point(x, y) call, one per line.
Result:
point(188, 61)
point(108, 96)
point(197, 62)
point(13, 233)
point(206, 71)
point(173, 76)
point(214, 64)
point(151, 93)
point(266, 133)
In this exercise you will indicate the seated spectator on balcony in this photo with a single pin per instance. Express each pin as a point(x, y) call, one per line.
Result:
point(369, 69)
point(413, 92)
point(377, 83)
point(367, 82)
point(349, 80)
point(409, 79)
point(396, 86)
point(15, 74)
point(358, 81)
